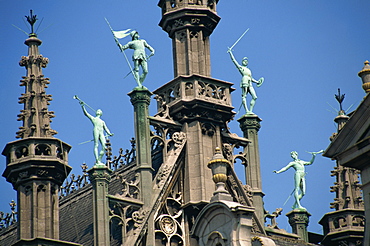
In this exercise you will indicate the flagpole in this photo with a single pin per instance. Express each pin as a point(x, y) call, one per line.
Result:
point(119, 46)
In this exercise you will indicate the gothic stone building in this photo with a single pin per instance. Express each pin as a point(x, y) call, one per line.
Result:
point(177, 185)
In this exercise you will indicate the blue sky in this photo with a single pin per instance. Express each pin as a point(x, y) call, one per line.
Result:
point(305, 50)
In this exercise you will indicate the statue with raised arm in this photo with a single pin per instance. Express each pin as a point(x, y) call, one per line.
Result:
point(299, 176)
point(98, 132)
point(139, 57)
point(246, 82)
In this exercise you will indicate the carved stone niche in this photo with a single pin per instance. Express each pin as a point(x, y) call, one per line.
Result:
point(216, 223)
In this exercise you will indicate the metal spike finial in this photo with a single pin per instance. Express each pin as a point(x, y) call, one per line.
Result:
point(340, 99)
point(32, 20)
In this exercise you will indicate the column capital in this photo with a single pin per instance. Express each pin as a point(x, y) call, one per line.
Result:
point(298, 220)
point(99, 172)
point(140, 95)
point(250, 121)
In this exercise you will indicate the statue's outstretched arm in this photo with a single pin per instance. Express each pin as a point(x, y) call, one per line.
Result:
point(85, 112)
point(313, 157)
point(283, 169)
point(233, 58)
point(311, 161)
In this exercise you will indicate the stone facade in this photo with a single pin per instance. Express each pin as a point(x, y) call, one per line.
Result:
point(177, 185)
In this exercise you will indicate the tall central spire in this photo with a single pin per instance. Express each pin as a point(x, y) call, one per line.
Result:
point(189, 23)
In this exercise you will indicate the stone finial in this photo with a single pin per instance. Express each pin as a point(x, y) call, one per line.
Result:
point(219, 166)
point(365, 76)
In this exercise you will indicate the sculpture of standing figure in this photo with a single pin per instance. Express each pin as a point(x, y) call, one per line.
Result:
point(246, 82)
point(98, 132)
point(139, 57)
point(299, 176)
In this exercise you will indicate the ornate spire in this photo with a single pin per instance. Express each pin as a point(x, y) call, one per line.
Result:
point(346, 186)
point(35, 115)
point(36, 164)
point(346, 223)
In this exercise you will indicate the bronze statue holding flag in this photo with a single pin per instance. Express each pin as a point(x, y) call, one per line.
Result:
point(139, 56)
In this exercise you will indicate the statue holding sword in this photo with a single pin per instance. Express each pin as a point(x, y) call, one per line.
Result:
point(98, 131)
point(247, 79)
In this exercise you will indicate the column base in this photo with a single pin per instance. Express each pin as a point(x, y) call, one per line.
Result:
point(298, 220)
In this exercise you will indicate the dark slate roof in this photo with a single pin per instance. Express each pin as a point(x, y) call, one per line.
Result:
point(8, 236)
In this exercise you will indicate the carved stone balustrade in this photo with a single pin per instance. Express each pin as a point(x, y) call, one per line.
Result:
point(187, 97)
point(43, 158)
point(169, 6)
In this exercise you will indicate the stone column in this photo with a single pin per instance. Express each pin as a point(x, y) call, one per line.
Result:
point(298, 220)
point(100, 176)
point(250, 125)
point(140, 99)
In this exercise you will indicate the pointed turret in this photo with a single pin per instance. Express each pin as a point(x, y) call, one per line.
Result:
point(35, 115)
point(346, 223)
point(37, 164)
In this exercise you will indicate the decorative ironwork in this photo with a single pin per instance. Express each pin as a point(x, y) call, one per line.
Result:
point(31, 19)
point(75, 183)
point(123, 158)
point(8, 219)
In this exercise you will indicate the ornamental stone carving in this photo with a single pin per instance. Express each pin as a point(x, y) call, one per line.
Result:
point(208, 129)
point(168, 225)
point(298, 218)
point(178, 139)
point(130, 188)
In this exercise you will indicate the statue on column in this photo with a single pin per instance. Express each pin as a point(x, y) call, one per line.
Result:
point(299, 176)
point(139, 56)
point(98, 131)
point(246, 82)
point(247, 79)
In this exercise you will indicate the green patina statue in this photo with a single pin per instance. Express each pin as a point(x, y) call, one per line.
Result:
point(246, 82)
point(98, 131)
point(299, 176)
point(139, 57)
